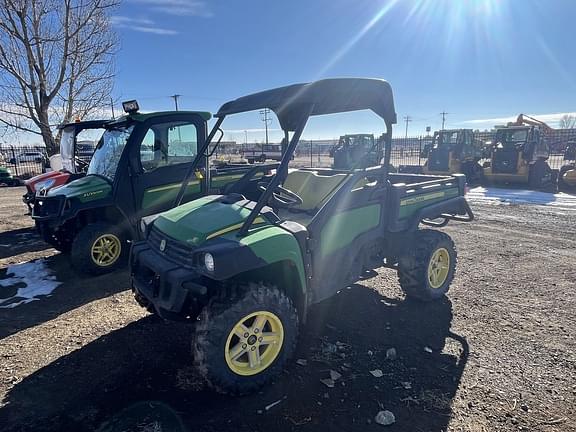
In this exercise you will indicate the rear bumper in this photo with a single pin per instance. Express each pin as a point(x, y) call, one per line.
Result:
point(176, 292)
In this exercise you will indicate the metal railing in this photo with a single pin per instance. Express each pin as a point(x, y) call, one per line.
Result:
point(24, 161)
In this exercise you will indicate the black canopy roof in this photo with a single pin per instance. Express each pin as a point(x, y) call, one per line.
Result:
point(86, 124)
point(327, 96)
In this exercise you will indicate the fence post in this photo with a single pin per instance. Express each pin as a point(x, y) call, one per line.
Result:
point(419, 150)
point(15, 161)
point(311, 160)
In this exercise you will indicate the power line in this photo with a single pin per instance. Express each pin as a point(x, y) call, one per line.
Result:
point(407, 119)
point(175, 97)
point(264, 117)
point(444, 114)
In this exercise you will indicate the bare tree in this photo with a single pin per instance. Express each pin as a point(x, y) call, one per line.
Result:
point(567, 121)
point(56, 63)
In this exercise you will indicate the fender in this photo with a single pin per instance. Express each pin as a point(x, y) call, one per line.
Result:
point(262, 247)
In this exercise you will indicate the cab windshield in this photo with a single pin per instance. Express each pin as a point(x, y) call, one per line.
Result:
point(108, 152)
point(445, 139)
point(512, 137)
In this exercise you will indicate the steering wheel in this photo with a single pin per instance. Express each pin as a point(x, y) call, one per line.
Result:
point(282, 197)
point(240, 185)
point(83, 164)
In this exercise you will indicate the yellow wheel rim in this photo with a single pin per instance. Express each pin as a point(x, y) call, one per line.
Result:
point(254, 343)
point(106, 250)
point(438, 268)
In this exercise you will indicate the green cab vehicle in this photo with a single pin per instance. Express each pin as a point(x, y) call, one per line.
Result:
point(136, 170)
point(245, 271)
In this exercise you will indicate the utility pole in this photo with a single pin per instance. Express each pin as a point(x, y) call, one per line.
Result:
point(264, 116)
point(443, 114)
point(407, 119)
point(175, 97)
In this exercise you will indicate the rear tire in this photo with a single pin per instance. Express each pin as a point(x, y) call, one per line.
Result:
point(426, 270)
point(217, 337)
point(561, 182)
point(99, 248)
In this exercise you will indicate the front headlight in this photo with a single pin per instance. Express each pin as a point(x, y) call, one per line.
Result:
point(209, 262)
point(146, 223)
point(46, 184)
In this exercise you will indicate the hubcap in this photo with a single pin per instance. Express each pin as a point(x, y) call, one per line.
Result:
point(254, 343)
point(438, 267)
point(106, 250)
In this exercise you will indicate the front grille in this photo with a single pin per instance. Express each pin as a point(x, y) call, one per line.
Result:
point(173, 249)
point(44, 207)
point(4, 175)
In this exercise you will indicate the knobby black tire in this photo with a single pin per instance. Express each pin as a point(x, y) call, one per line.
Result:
point(413, 265)
point(81, 251)
point(561, 182)
point(217, 320)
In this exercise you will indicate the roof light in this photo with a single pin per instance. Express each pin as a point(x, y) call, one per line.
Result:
point(130, 106)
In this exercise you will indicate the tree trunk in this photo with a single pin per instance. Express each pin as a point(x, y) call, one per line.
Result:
point(49, 141)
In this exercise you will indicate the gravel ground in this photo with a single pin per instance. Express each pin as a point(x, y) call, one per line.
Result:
point(498, 354)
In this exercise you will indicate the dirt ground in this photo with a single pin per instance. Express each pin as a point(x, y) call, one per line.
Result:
point(498, 354)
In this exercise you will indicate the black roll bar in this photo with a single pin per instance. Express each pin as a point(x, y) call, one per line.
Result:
point(194, 164)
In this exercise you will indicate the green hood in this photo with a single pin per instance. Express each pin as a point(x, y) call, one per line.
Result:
point(202, 219)
point(88, 188)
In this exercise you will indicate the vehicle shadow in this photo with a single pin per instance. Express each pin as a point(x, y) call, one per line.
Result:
point(20, 241)
point(72, 292)
point(145, 368)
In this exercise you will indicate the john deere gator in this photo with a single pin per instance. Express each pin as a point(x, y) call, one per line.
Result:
point(245, 270)
point(136, 170)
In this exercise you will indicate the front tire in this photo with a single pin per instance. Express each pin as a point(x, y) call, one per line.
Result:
point(243, 340)
point(99, 248)
point(426, 270)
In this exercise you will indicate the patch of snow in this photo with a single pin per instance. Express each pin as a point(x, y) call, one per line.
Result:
point(494, 195)
point(34, 279)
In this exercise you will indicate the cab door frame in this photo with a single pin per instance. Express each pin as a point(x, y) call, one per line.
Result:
point(139, 180)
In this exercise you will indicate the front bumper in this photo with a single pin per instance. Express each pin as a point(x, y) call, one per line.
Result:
point(48, 209)
point(175, 291)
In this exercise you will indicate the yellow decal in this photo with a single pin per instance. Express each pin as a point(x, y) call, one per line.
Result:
point(89, 194)
point(258, 220)
point(420, 198)
point(170, 186)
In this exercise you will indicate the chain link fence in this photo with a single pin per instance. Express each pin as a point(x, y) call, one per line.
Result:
point(408, 150)
point(27, 161)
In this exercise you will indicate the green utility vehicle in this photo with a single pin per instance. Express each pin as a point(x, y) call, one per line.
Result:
point(136, 170)
point(357, 151)
point(246, 270)
point(6, 177)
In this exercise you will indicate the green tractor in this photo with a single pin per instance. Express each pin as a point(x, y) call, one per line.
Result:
point(246, 270)
point(356, 151)
point(136, 170)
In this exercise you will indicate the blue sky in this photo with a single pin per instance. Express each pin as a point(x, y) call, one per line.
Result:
point(476, 59)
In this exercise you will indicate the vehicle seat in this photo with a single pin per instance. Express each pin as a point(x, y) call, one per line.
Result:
point(313, 188)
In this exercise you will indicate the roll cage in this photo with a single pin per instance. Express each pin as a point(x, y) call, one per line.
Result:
point(294, 105)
